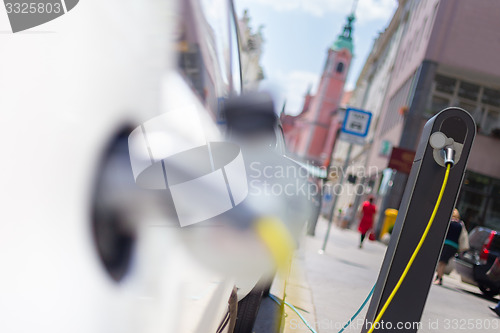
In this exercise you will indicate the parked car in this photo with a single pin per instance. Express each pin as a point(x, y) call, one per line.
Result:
point(277, 184)
point(314, 175)
point(473, 264)
point(82, 248)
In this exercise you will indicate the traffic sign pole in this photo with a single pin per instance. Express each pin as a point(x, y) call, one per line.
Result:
point(334, 203)
point(354, 130)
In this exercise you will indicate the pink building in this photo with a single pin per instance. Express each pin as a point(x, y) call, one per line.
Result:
point(312, 134)
point(447, 55)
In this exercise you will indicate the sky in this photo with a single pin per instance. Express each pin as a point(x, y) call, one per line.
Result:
point(297, 34)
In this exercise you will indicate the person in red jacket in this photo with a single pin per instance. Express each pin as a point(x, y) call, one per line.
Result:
point(366, 223)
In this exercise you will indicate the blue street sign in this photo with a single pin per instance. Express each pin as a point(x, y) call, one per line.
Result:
point(356, 122)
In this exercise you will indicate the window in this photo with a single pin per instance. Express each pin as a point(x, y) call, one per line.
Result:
point(468, 90)
point(445, 84)
point(477, 114)
point(483, 103)
point(439, 103)
point(471, 206)
point(469, 107)
point(479, 201)
point(491, 97)
point(492, 217)
point(475, 181)
point(340, 67)
point(491, 124)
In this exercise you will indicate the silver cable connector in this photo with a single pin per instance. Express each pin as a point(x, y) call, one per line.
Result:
point(449, 156)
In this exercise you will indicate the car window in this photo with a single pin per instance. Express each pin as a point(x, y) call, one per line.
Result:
point(235, 55)
point(190, 60)
point(216, 25)
point(280, 141)
point(208, 52)
point(477, 237)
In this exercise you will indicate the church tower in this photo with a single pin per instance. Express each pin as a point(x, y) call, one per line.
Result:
point(319, 120)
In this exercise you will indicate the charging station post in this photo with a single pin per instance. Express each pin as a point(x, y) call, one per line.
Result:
point(447, 135)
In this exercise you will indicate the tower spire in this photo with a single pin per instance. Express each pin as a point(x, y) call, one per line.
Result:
point(354, 6)
point(344, 39)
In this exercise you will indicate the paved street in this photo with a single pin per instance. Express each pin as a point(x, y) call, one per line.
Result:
point(330, 287)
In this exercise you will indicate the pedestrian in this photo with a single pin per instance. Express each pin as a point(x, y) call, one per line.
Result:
point(366, 223)
point(450, 246)
point(494, 275)
point(346, 216)
point(495, 309)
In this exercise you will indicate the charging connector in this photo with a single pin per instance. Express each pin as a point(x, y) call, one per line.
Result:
point(449, 156)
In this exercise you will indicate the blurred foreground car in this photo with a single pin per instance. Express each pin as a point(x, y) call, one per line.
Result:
point(277, 184)
point(473, 264)
point(82, 247)
point(314, 181)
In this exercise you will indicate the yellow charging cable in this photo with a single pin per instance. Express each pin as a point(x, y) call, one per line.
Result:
point(280, 244)
point(278, 240)
point(414, 255)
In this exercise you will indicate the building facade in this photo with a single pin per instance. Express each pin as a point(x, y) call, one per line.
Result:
point(446, 56)
point(251, 43)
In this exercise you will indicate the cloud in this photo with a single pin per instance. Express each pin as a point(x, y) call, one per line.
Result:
point(291, 88)
point(368, 10)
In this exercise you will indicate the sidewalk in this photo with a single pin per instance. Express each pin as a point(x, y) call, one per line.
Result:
point(329, 288)
point(336, 283)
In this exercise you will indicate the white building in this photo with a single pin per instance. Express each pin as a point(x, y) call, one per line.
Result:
point(251, 51)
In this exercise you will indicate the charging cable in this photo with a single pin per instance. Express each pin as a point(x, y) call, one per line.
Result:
point(359, 310)
point(449, 164)
point(274, 298)
point(280, 303)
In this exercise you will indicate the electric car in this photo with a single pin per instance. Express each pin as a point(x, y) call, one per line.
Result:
point(82, 247)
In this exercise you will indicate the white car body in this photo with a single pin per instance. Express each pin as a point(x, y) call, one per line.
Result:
point(66, 88)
